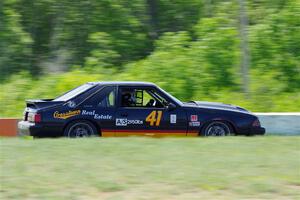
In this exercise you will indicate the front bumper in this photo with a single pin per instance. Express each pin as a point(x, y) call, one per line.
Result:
point(26, 128)
point(257, 131)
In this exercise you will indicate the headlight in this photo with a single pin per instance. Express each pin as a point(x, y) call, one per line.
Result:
point(256, 123)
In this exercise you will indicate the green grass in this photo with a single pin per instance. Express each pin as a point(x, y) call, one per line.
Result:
point(147, 168)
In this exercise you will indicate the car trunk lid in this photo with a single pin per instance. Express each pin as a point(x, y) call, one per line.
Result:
point(34, 105)
point(42, 103)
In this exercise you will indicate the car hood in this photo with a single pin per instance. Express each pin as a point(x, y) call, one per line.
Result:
point(215, 105)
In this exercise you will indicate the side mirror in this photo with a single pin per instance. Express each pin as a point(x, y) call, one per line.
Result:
point(171, 106)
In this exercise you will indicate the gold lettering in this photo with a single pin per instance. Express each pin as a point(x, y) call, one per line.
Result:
point(66, 115)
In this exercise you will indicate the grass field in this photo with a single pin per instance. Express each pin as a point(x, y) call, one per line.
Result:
point(147, 168)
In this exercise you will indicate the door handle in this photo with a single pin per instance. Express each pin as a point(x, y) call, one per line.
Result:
point(124, 114)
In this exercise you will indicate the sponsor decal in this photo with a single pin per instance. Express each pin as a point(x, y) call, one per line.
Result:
point(85, 112)
point(71, 104)
point(121, 122)
point(134, 121)
point(194, 123)
point(96, 116)
point(66, 115)
point(125, 122)
point(173, 119)
point(194, 118)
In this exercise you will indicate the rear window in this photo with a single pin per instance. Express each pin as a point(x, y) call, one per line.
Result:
point(74, 92)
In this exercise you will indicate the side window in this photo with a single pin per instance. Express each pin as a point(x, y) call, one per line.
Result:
point(128, 97)
point(108, 100)
point(133, 97)
point(112, 98)
point(105, 98)
point(148, 100)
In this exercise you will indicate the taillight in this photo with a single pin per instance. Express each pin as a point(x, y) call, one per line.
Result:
point(256, 123)
point(37, 118)
point(34, 117)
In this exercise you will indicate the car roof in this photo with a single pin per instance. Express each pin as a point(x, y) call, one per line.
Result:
point(125, 83)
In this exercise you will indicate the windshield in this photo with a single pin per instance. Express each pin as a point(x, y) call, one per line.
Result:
point(171, 97)
point(74, 92)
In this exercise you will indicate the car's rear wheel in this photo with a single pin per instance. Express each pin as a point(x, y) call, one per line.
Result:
point(80, 129)
point(217, 128)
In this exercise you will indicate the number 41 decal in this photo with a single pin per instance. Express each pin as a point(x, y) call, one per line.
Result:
point(154, 117)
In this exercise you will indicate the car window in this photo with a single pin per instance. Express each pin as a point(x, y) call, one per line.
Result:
point(108, 100)
point(134, 97)
point(147, 98)
point(72, 93)
point(103, 98)
point(159, 97)
point(171, 97)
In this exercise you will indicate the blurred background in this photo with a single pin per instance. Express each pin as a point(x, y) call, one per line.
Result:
point(239, 52)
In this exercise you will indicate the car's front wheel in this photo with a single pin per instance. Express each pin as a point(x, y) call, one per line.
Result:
point(80, 129)
point(217, 128)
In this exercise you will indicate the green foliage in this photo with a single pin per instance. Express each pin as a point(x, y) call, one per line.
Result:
point(22, 86)
point(275, 47)
point(14, 42)
point(102, 54)
point(216, 50)
point(183, 85)
point(190, 48)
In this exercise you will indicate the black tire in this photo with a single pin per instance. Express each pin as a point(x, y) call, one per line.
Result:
point(80, 128)
point(217, 128)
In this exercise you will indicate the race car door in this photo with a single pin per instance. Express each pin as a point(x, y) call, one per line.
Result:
point(144, 111)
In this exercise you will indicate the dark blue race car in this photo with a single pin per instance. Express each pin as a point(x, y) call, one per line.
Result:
point(113, 109)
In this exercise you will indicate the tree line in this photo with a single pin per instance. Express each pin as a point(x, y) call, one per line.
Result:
point(194, 48)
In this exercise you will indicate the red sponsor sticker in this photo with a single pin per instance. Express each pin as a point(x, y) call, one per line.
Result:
point(194, 118)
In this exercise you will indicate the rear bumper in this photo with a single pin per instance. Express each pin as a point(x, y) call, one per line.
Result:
point(39, 129)
point(26, 128)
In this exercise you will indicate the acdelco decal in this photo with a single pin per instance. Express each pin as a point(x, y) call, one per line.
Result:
point(66, 115)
